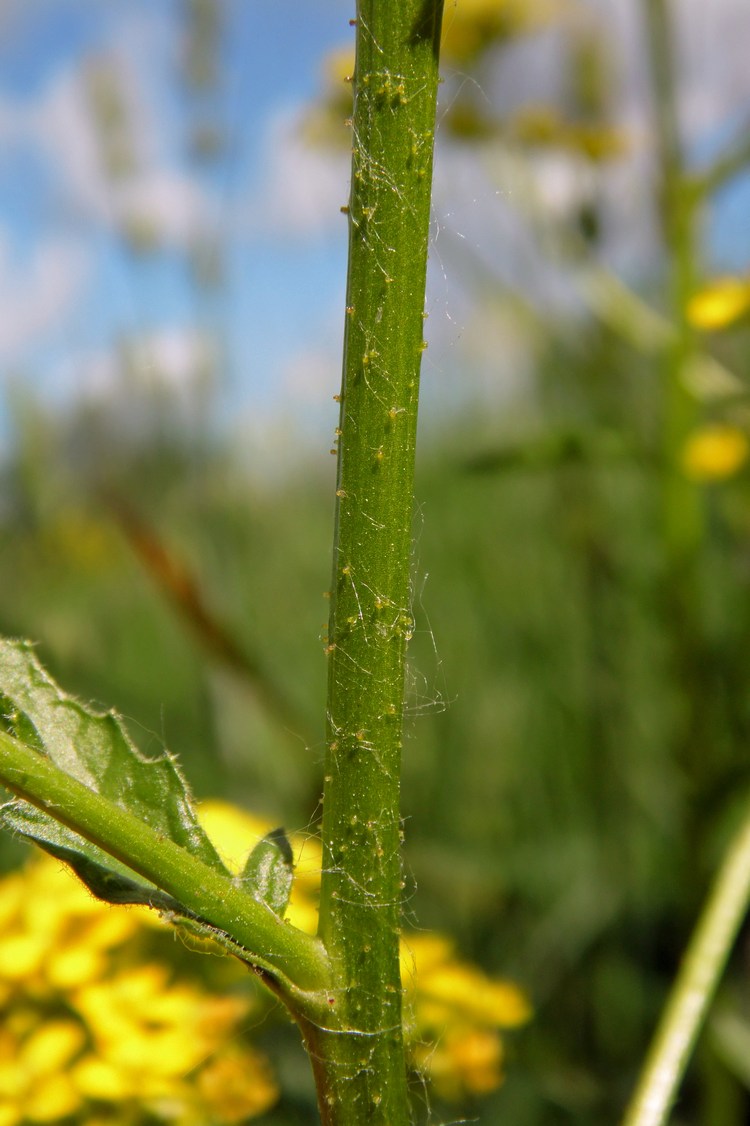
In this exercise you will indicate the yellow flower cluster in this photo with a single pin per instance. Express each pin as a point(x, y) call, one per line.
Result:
point(96, 1029)
point(472, 26)
point(714, 453)
point(454, 1012)
point(719, 303)
point(543, 127)
point(99, 1025)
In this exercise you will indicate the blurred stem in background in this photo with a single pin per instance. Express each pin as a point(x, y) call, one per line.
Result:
point(698, 673)
point(676, 210)
point(695, 987)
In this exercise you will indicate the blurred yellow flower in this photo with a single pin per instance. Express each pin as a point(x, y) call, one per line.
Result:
point(136, 1036)
point(443, 986)
point(719, 303)
point(466, 1061)
point(33, 1081)
point(454, 1011)
point(338, 67)
point(715, 452)
point(236, 1090)
point(544, 127)
point(469, 29)
point(472, 26)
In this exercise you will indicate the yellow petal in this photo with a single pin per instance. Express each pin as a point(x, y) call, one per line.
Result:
point(12, 1081)
point(233, 832)
point(51, 1047)
point(115, 925)
point(421, 953)
point(302, 915)
point(157, 1055)
point(22, 955)
point(69, 968)
point(238, 1085)
point(720, 303)
point(12, 894)
point(99, 1079)
point(53, 1099)
point(472, 994)
point(714, 453)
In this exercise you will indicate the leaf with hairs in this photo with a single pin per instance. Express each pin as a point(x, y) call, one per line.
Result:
point(93, 748)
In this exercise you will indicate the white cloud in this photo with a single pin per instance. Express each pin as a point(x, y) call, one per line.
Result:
point(37, 296)
point(311, 376)
point(165, 198)
point(58, 127)
point(303, 188)
point(166, 201)
point(178, 360)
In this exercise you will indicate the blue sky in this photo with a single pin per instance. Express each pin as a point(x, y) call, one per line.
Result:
point(74, 288)
point(73, 294)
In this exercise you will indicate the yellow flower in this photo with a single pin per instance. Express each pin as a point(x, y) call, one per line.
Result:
point(474, 25)
point(441, 988)
point(465, 1061)
point(719, 303)
point(233, 831)
point(544, 127)
point(457, 989)
point(236, 1090)
point(136, 1037)
point(34, 1084)
point(338, 67)
point(714, 453)
point(454, 1011)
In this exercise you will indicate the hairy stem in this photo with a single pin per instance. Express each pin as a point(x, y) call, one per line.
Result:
point(363, 1078)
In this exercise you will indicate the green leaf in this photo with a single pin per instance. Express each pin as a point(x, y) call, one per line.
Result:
point(94, 749)
point(269, 871)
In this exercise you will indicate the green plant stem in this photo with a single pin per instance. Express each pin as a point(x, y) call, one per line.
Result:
point(292, 959)
point(695, 986)
point(396, 76)
point(682, 518)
